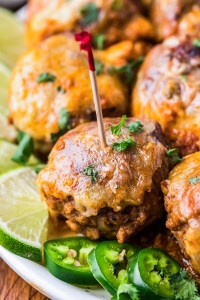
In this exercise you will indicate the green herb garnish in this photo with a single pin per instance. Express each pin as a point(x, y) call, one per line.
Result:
point(123, 145)
point(99, 40)
point(63, 123)
point(25, 148)
point(117, 129)
point(90, 171)
point(128, 70)
point(117, 5)
point(194, 180)
point(39, 168)
point(126, 291)
point(196, 43)
point(61, 90)
point(174, 155)
point(89, 13)
point(45, 77)
point(98, 66)
point(135, 127)
point(184, 286)
point(184, 77)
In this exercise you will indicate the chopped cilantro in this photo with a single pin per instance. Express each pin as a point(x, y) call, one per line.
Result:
point(89, 13)
point(99, 40)
point(126, 291)
point(123, 145)
point(64, 124)
point(135, 127)
point(117, 5)
point(98, 66)
point(25, 148)
point(194, 180)
point(61, 90)
point(196, 42)
point(184, 77)
point(184, 286)
point(90, 171)
point(39, 168)
point(128, 70)
point(45, 77)
point(117, 129)
point(173, 155)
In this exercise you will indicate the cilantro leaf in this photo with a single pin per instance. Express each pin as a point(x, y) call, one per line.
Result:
point(196, 43)
point(173, 155)
point(63, 123)
point(25, 148)
point(90, 171)
point(194, 180)
point(184, 77)
point(117, 128)
point(39, 168)
point(98, 66)
point(127, 71)
point(184, 286)
point(135, 127)
point(45, 77)
point(117, 5)
point(126, 292)
point(99, 40)
point(89, 13)
point(123, 145)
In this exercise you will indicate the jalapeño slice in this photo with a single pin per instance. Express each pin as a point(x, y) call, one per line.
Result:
point(150, 271)
point(108, 263)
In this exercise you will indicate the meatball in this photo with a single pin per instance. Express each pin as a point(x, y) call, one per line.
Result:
point(175, 17)
point(168, 91)
point(126, 195)
point(35, 104)
point(116, 19)
point(182, 203)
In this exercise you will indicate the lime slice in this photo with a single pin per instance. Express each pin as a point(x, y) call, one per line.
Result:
point(7, 131)
point(4, 80)
point(7, 151)
point(23, 217)
point(11, 37)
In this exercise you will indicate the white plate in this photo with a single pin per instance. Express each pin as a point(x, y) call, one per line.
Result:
point(39, 277)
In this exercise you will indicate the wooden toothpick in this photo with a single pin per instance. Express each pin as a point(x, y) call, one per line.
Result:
point(85, 44)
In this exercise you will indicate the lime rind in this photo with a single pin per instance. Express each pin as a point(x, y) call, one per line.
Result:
point(23, 217)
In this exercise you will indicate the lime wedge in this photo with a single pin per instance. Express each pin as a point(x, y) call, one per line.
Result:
point(7, 131)
point(23, 217)
point(4, 80)
point(7, 151)
point(11, 37)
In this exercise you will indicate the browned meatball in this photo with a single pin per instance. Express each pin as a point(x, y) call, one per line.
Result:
point(117, 20)
point(182, 202)
point(168, 91)
point(124, 198)
point(35, 105)
point(176, 16)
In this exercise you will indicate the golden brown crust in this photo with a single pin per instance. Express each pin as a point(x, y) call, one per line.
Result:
point(117, 20)
point(34, 107)
point(175, 17)
point(126, 179)
point(182, 204)
point(168, 91)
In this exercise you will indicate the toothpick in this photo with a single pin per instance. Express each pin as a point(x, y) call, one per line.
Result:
point(85, 44)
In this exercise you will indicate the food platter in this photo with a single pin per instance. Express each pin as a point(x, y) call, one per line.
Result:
point(39, 277)
point(100, 160)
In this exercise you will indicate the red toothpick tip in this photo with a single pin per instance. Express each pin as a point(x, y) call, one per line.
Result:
point(84, 38)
